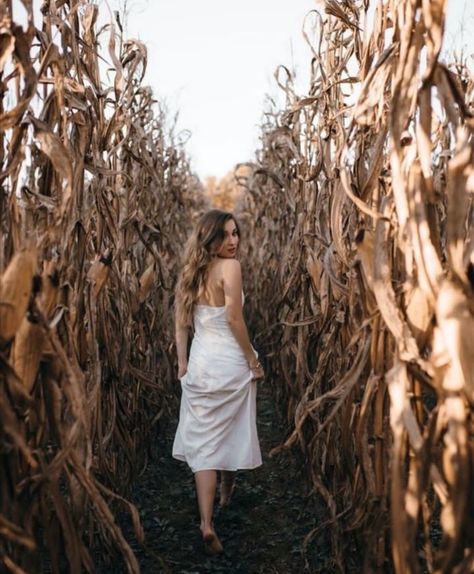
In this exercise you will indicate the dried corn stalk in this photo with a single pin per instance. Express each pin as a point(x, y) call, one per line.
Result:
point(94, 201)
point(361, 212)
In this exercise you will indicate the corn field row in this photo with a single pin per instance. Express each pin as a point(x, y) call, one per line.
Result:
point(95, 196)
point(360, 211)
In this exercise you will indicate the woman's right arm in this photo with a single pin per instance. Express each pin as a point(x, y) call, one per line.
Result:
point(232, 283)
point(181, 337)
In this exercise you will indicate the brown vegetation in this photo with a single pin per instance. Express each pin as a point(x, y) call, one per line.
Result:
point(94, 198)
point(225, 193)
point(361, 210)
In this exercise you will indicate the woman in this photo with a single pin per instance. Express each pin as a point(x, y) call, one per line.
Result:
point(217, 429)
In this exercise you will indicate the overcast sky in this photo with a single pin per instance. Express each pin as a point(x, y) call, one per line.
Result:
point(213, 61)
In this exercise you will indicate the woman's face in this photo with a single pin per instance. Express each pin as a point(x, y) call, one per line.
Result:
point(228, 248)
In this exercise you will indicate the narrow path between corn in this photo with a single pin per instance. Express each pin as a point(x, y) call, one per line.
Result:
point(262, 530)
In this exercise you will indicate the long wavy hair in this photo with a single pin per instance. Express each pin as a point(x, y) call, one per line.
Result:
point(201, 247)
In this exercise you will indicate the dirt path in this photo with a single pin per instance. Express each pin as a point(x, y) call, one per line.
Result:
point(262, 530)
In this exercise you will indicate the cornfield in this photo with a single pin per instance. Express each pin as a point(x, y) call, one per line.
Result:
point(95, 196)
point(360, 208)
point(359, 212)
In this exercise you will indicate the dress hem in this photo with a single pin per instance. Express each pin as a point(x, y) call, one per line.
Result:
point(228, 468)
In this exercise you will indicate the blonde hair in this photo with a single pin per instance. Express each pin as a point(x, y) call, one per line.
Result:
point(205, 240)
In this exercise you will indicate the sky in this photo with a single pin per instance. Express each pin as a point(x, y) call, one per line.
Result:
point(213, 62)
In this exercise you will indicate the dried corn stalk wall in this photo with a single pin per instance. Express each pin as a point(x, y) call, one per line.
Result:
point(360, 211)
point(94, 197)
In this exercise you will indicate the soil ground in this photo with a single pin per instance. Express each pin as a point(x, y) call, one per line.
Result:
point(262, 530)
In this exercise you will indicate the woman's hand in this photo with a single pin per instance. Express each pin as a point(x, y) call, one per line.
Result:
point(257, 370)
point(182, 369)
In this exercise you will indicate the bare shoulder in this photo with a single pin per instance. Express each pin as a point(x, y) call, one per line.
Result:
point(230, 267)
point(230, 264)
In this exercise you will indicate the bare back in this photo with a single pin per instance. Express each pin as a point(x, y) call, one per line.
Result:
point(215, 290)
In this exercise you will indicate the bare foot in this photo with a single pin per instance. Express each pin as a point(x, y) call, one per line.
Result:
point(212, 544)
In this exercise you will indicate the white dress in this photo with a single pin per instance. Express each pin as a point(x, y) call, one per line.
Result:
point(217, 428)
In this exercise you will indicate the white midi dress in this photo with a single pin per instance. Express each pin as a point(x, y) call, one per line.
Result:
point(217, 420)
